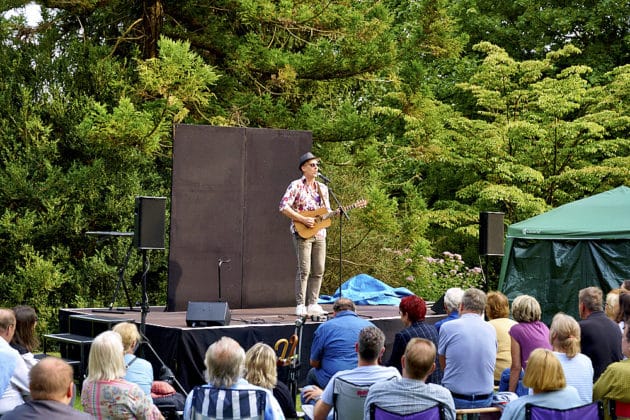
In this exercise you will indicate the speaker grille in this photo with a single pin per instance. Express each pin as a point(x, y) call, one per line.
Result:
point(149, 222)
point(490, 233)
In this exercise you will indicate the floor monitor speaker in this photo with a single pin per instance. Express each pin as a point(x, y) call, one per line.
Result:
point(149, 222)
point(490, 233)
point(207, 314)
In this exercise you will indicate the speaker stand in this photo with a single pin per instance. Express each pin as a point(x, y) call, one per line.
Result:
point(121, 275)
point(144, 310)
point(144, 306)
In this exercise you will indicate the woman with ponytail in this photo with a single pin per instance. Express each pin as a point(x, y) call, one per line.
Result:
point(564, 336)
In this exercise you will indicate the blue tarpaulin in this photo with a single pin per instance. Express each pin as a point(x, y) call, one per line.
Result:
point(363, 289)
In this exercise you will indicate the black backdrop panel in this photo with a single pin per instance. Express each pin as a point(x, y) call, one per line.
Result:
point(227, 184)
point(268, 256)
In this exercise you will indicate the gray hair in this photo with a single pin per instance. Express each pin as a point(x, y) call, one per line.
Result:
point(592, 298)
point(225, 362)
point(343, 304)
point(452, 298)
point(474, 300)
point(371, 342)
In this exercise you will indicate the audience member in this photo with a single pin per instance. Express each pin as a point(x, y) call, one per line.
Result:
point(25, 339)
point(544, 375)
point(411, 393)
point(52, 389)
point(370, 348)
point(601, 338)
point(225, 364)
point(622, 316)
point(611, 306)
point(625, 286)
point(452, 299)
point(14, 367)
point(332, 348)
point(261, 370)
point(139, 371)
point(105, 393)
point(528, 334)
point(498, 312)
point(613, 384)
point(467, 353)
point(564, 335)
point(413, 309)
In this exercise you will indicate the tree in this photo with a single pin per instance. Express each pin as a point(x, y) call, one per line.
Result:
point(529, 29)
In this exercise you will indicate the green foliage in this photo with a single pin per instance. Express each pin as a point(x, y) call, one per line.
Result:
point(431, 110)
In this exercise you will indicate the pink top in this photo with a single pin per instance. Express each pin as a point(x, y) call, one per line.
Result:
point(530, 336)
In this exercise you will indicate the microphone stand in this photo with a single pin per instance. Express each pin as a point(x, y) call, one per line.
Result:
point(343, 213)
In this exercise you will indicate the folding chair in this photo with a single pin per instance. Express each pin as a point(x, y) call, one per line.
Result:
point(618, 410)
point(211, 403)
point(432, 413)
point(594, 410)
point(348, 399)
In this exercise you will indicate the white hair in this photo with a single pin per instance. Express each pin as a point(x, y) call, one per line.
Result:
point(452, 298)
point(106, 361)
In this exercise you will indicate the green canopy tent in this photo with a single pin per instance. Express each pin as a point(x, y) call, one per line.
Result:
point(553, 255)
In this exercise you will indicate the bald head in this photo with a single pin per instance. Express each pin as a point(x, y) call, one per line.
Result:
point(51, 379)
point(343, 304)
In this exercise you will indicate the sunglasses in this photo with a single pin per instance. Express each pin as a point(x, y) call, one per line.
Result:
point(313, 164)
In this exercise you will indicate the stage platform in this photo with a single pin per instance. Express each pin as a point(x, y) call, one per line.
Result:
point(182, 348)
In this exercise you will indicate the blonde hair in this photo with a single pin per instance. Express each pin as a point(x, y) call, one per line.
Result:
point(566, 332)
point(225, 362)
point(128, 333)
point(526, 308)
point(612, 304)
point(497, 306)
point(260, 366)
point(544, 372)
point(106, 361)
point(419, 357)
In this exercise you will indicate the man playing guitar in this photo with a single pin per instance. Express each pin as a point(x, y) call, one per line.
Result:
point(306, 195)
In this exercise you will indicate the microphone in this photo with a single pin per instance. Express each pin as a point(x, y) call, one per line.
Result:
point(323, 177)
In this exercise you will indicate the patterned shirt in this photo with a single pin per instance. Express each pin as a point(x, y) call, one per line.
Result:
point(405, 396)
point(117, 399)
point(300, 197)
point(418, 329)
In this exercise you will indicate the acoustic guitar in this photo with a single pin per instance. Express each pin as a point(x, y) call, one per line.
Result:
point(322, 218)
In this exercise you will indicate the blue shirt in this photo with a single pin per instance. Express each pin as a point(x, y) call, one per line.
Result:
point(564, 398)
point(333, 344)
point(140, 372)
point(361, 375)
point(470, 347)
point(405, 396)
point(453, 315)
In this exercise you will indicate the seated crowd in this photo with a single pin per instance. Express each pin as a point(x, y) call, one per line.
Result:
point(566, 365)
point(460, 366)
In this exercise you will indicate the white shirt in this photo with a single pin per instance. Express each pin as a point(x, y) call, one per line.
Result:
point(12, 396)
